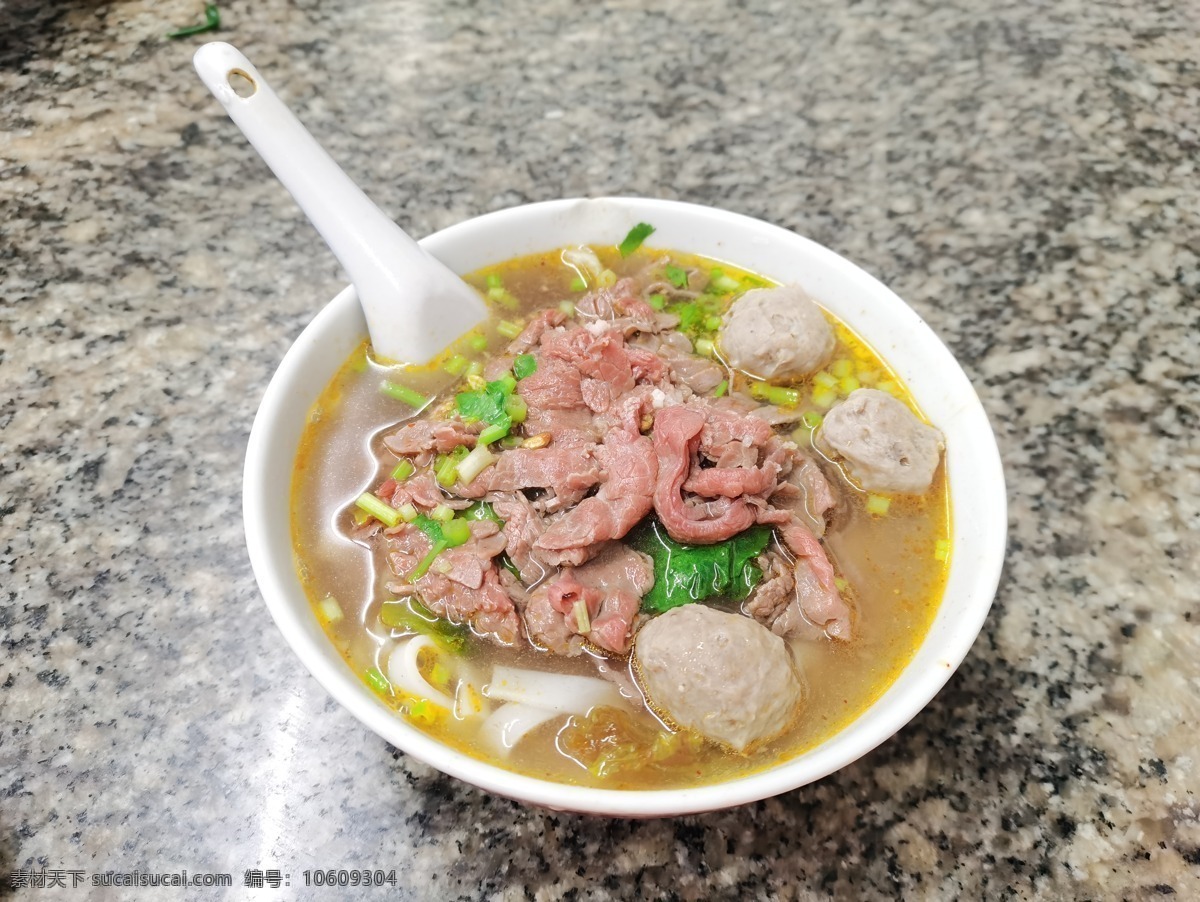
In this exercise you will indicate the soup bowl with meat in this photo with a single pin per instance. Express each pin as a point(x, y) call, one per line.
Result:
point(702, 513)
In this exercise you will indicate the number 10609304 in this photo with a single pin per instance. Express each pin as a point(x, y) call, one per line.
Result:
point(343, 877)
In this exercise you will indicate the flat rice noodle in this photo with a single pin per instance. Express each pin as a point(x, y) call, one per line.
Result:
point(405, 673)
point(509, 724)
point(563, 693)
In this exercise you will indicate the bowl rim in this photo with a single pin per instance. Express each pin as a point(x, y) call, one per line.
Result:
point(278, 582)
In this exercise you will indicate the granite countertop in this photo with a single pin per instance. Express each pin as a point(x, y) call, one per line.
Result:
point(1024, 175)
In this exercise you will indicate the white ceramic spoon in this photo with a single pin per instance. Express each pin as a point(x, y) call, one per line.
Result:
point(414, 305)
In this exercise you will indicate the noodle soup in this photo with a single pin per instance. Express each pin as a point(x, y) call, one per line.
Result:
point(529, 657)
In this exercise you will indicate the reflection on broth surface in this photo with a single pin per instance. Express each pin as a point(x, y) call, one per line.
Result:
point(589, 461)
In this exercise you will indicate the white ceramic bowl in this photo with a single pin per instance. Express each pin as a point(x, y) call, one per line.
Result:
point(979, 519)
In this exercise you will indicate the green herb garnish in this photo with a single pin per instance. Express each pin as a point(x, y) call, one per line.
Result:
point(212, 21)
point(634, 239)
point(677, 276)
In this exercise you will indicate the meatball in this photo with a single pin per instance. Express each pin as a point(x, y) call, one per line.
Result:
point(722, 675)
point(776, 333)
point(886, 448)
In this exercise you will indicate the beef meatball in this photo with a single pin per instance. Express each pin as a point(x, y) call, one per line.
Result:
point(722, 675)
point(885, 447)
point(776, 333)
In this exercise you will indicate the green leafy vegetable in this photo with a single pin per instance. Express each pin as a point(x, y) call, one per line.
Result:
point(414, 617)
point(212, 21)
point(634, 239)
point(486, 404)
point(482, 510)
point(687, 573)
point(524, 365)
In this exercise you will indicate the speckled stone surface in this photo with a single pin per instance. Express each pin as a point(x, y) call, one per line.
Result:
point(1023, 174)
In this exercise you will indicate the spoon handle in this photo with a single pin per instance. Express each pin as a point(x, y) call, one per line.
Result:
point(414, 305)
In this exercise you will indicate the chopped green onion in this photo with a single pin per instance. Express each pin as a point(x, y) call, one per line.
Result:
point(443, 513)
point(634, 239)
point(842, 368)
point(722, 388)
point(477, 461)
point(456, 365)
point(502, 297)
point(841, 583)
point(403, 470)
point(712, 323)
point(212, 21)
point(422, 711)
point(478, 341)
point(511, 441)
point(941, 550)
point(825, 380)
point(878, 505)
point(607, 278)
point(824, 397)
point(439, 674)
point(721, 282)
point(812, 419)
point(384, 513)
point(330, 610)
point(403, 393)
point(447, 472)
point(677, 276)
point(890, 387)
point(848, 384)
point(578, 284)
point(456, 532)
point(567, 308)
point(657, 301)
point(704, 347)
point(422, 568)
point(491, 434)
point(377, 681)
point(516, 408)
point(524, 365)
point(494, 281)
point(475, 369)
point(507, 384)
point(408, 512)
point(508, 329)
point(583, 623)
point(774, 394)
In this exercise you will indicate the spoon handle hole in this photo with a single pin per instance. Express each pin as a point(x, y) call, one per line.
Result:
point(241, 83)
